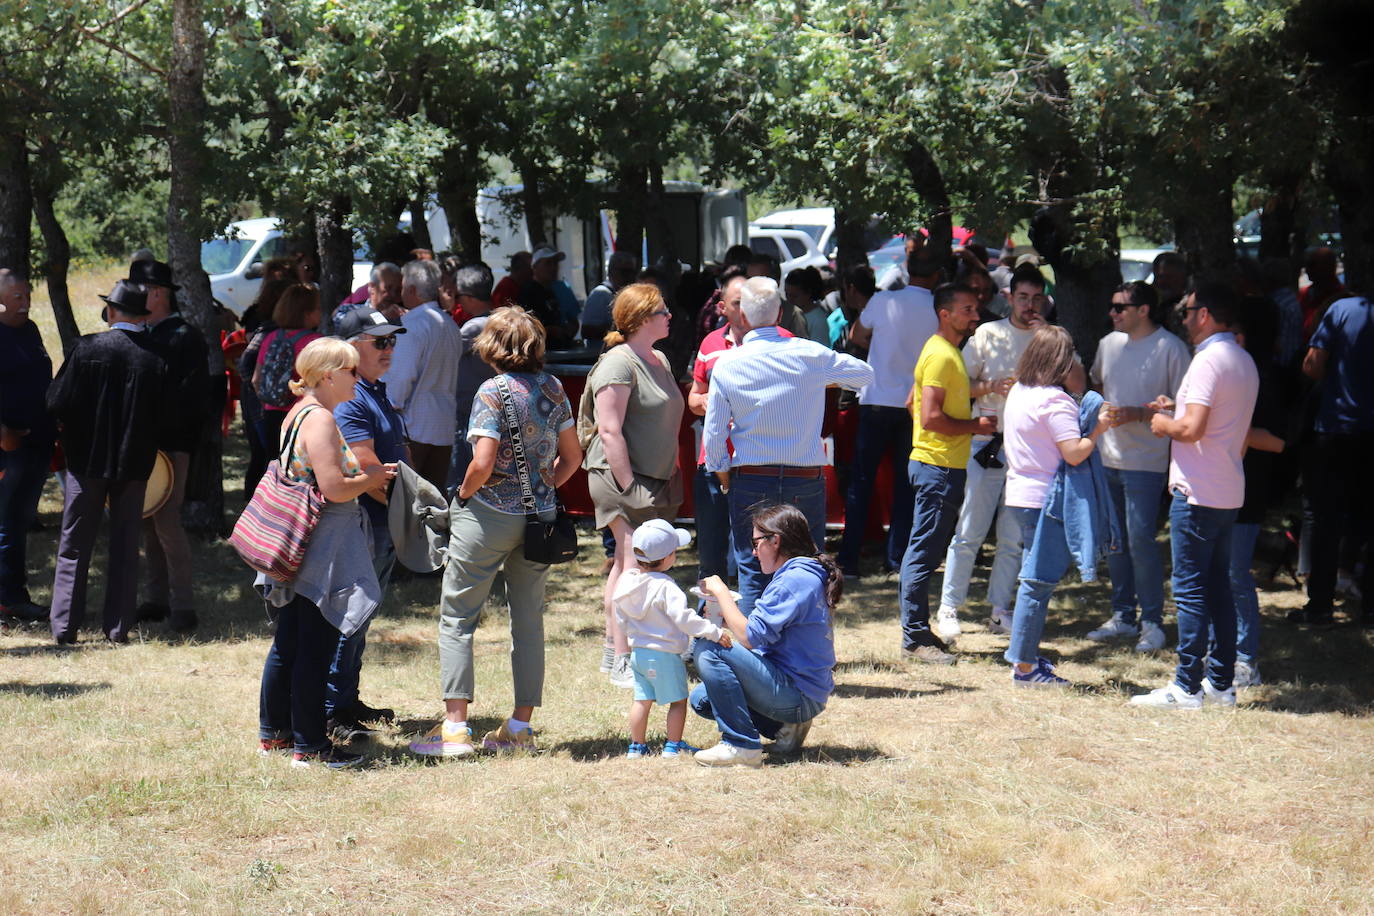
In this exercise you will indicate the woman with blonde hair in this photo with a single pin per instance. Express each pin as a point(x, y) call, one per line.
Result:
point(1046, 431)
point(628, 422)
point(487, 522)
point(336, 590)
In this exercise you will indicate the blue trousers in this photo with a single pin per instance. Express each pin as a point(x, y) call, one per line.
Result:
point(884, 432)
point(1045, 561)
point(1137, 571)
point(712, 510)
point(1243, 539)
point(1201, 538)
point(749, 696)
point(291, 700)
point(939, 492)
point(25, 471)
point(748, 491)
point(341, 689)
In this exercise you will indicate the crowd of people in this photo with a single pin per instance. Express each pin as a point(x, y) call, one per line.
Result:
point(1214, 396)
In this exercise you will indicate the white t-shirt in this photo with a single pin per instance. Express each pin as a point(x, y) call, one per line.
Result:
point(902, 321)
point(1035, 421)
point(1132, 373)
point(992, 353)
point(1209, 472)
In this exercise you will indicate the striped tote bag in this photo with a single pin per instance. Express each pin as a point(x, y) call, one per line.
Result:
point(272, 533)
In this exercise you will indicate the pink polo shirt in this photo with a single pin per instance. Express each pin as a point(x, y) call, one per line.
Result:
point(1223, 377)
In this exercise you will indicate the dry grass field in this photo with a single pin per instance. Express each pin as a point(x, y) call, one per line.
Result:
point(130, 782)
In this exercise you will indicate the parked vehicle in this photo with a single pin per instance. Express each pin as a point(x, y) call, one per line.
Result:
point(791, 248)
point(235, 261)
point(1138, 264)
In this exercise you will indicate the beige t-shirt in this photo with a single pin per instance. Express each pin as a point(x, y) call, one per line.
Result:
point(653, 413)
point(992, 354)
point(1132, 373)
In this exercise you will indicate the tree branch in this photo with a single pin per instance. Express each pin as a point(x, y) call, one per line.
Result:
point(129, 54)
point(131, 8)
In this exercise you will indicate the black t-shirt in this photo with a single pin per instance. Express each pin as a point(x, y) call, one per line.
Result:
point(1260, 467)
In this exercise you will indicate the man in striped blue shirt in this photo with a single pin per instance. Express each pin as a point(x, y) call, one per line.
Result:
point(768, 398)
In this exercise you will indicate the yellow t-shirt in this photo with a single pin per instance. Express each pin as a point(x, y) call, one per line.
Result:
point(942, 366)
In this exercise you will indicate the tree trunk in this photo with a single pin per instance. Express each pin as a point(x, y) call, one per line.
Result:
point(850, 247)
point(419, 226)
point(1082, 290)
point(536, 223)
point(929, 183)
point(630, 195)
point(457, 190)
point(1279, 231)
point(1204, 228)
point(203, 511)
point(1351, 177)
point(56, 263)
point(335, 245)
point(663, 248)
point(16, 200)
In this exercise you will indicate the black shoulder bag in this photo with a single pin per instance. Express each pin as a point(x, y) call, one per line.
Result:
point(545, 542)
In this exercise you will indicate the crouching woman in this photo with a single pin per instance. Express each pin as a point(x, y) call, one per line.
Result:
point(778, 675)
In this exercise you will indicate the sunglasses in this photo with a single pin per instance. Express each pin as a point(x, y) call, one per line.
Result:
point(761, 537)
point(1120, 307)
point(384, 343)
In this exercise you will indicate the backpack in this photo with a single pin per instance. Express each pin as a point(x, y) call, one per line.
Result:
point(277, 369)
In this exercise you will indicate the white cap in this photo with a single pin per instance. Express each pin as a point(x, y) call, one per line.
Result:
point(655, 539)
point(544, 252)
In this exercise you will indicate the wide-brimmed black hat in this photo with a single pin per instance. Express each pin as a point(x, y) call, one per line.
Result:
point(152, 273)
point(129, 297)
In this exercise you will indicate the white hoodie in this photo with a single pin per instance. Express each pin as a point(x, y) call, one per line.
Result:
point(654, 615)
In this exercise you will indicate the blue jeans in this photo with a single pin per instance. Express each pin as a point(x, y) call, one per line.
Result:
point(712, 510)
point(25, 471)
point(939, 492)
point(291, 701)
point(341, 690)
point(748, 491)
point(1201, 538)
point(748, 695)
point(1137, 571)
point(884, 432)
point(1243, 538)
point(982, 499)
point(1044, 561)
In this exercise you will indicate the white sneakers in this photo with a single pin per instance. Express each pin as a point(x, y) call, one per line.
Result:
point(790, 737)
point(1151, 637)
point(999, 621)
point(1175, 697)
point(1214, 697)
point(1171, 696)
point(1247, 675)
point(1116, 628)
point(727, 755)
point(947, 624)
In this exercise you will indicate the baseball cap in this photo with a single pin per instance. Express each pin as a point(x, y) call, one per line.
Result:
point(544, 252)
point(358, 322)
point(655, 539)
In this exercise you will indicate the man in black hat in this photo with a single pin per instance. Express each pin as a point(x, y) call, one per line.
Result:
point(184, 416)
point(108, 396)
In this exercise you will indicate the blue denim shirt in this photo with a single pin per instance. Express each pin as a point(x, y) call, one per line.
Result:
point(1078, 508)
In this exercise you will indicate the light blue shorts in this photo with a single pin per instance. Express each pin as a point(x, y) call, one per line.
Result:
point(659, 676)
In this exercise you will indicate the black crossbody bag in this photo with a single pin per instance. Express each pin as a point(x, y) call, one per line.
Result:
point(545, 542)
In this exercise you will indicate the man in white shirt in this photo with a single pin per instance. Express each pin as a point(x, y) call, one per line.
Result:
point(422, 382)
point(893, 327)
point(1135, 364)
point(990, 357)
point(767, 400)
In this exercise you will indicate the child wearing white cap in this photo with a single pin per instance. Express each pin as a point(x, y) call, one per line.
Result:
point(659, 625)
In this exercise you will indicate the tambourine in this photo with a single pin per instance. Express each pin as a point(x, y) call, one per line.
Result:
point(160, 483)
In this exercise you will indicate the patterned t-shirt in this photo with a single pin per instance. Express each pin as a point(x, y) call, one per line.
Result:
point(543, 411)
point(298, 464)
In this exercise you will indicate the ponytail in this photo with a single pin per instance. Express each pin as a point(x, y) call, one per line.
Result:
point(834, 580)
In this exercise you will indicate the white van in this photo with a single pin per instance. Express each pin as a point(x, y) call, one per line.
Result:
point(234, 261)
